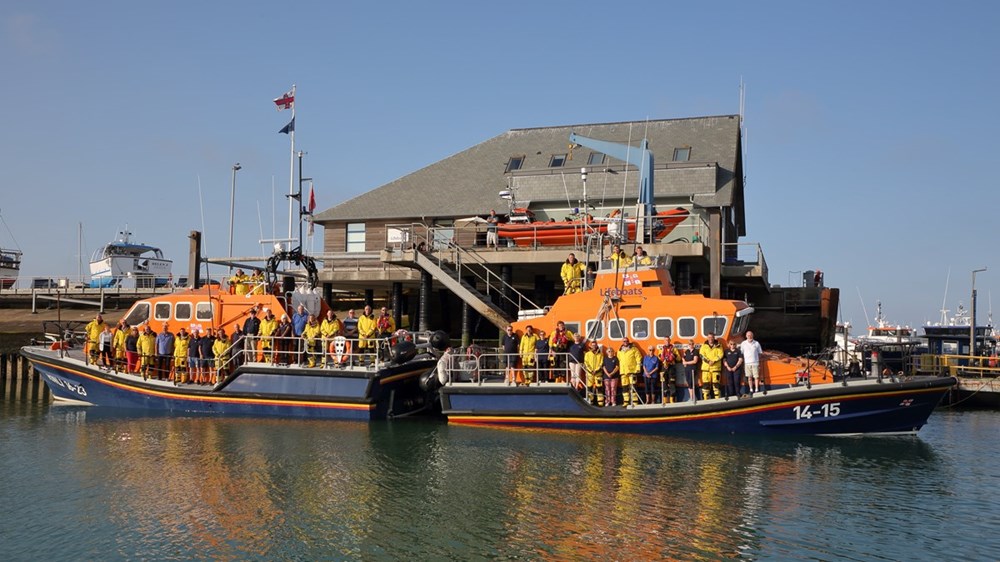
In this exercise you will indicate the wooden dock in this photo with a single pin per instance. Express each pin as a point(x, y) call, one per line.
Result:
point(20, 382)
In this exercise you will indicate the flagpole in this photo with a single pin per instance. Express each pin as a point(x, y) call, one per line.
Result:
point(291, 172)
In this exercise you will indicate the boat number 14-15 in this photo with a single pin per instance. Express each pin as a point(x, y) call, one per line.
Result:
point(825, 411)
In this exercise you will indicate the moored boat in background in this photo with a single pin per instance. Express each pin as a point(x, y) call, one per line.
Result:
point(122, 261)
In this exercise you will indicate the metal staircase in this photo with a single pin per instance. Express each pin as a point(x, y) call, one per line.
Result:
point(451, 265)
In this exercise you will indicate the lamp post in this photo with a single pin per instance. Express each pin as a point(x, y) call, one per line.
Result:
point(972, 328)
point(232, 210)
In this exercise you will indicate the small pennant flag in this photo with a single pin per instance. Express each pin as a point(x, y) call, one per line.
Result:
point(286, 101)
point(312, 200)
point(289, 128)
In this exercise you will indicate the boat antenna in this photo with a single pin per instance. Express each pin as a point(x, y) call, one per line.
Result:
point(944, 301)
point(260, 225)
point(867, 320)
point(204, 244)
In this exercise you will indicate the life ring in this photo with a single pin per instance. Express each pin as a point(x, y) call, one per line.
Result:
point(340, 348)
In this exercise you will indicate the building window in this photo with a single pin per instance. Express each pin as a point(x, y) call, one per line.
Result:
point(514, 163)
point(557, 161)
point(682, 154)
point(355, 237)
point(596, 159)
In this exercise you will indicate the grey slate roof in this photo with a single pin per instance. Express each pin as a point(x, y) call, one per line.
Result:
point(468, 183)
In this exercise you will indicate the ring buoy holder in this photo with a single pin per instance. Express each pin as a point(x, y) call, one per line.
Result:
point(340, 348)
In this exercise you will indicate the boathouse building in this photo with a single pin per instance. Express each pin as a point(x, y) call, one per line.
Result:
point(370, 246)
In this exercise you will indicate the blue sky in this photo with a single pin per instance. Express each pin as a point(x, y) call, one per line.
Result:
point(872, 132)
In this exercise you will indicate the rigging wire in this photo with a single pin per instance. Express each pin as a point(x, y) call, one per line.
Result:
point(11, 233)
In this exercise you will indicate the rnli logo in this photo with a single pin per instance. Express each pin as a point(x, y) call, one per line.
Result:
point(907, 402)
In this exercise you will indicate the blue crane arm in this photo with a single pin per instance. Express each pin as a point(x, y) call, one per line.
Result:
point(640, 157)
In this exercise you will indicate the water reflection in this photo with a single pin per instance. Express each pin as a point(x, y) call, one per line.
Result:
point(231, 488)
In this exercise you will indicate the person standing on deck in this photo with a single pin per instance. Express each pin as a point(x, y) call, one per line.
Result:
point(312, 335)
point(147, 350)
point(132, 350)
point(251, 327)
point(367, 330)
point(690, 363)
point(510, 345)
point(299, 320)
point(732, 364)
point(671, 369)
point(236, 343)
point(207, 355)
point(559, 342)
point(711, 366)
point(118, 344)
point(104, 342)
point(182, 345)
point(194, 357)
point(752, 351)
point(220, 348)
point(593, 363)
point(630, 364)
point(267, 328)
point(93, 330)
point(610, 371)
point(492, 224)
point(577, 351)
point(571, 273)
point(286, 345)
point(385, 325)
point(164, 353)
point(651, 374)
point(330, 328)
point(527, 349)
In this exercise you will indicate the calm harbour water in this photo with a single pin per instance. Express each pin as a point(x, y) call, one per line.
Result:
point(95, 484)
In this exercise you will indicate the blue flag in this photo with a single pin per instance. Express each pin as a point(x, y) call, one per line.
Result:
point(289, 127)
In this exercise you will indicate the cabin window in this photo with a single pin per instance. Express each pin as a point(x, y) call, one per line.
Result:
point(714, 324)
point(595, 330)
point(573, 327)
point(182, 311)
point(557, 161)
point(355, 237)
point(663, 328)
point(203, 312)
point(616, 329)
point(640, 328)
point(740, 325)
point(682, 154)
point(514, 163)
point(687, 328)
point(596, 159)
point(138, 314)
point(161, 311)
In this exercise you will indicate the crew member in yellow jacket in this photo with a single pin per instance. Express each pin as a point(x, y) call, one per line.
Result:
point(118, 345)
point(367, 327)
point(147, 350)
point(181, 345)
point(329, 328)
point(572, 272)
point(630, 365)
point(593, 363)
point(94, 329)
point(221, 350)
point(527, 350)
point(267, 327)
point(711, 366)
point(311, 335)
